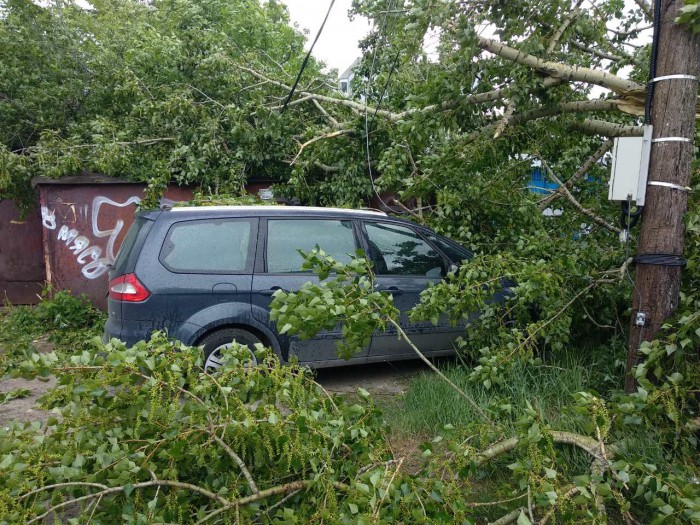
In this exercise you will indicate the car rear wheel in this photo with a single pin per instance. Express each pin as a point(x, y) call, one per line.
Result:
point(221, 339)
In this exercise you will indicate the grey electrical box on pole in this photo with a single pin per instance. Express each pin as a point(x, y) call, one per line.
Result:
point(630, 168)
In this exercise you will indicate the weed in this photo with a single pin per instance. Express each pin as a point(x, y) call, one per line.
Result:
point(16, 393)
point(60, 322)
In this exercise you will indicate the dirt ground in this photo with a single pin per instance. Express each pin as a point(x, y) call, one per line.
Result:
point(378, 379)
point(24, 409)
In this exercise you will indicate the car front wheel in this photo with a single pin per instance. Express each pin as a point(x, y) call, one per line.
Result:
point(221, 339)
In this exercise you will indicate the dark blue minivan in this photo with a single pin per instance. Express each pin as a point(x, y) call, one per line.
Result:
point(207, 275)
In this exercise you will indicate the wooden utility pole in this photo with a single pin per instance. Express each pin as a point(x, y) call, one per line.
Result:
point(657, 282)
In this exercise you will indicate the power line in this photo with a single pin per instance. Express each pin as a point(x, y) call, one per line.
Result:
point(306, 59)
point(369, 80)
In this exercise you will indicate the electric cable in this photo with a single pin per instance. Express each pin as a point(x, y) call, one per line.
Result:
point(652, 64)
point(629, 219)
point(306, 59)
point(369, 79)
point(629, 275)
point(660, 259)
point(386, 84)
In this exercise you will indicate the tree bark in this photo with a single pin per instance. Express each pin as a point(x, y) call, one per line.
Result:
point(657, 287)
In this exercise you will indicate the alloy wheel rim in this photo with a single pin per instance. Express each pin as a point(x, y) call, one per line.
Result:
point(215, 360)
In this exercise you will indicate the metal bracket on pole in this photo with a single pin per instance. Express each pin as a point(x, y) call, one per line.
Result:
point(675, 77)
point(672, 139)
point(678, 187)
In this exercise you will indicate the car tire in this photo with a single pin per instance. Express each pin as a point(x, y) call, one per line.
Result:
point(215, 341)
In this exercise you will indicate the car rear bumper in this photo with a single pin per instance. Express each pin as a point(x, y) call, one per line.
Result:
point(131, 331)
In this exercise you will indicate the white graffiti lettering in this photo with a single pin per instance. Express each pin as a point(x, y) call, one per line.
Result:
point(48, 218)
point(95, 260)
point(79, 244)
point(67, 234)
point(114, 232)
point(93, 252)
point(94, 269)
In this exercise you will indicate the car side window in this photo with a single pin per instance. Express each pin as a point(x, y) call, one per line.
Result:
point(457, 254)
point(286, 236)
point(397, 250)
point(218, 246)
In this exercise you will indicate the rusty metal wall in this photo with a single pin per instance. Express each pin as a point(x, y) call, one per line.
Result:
point(83, 226)
point(21, 260)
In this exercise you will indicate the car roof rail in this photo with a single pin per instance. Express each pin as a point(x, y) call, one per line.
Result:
point(373, 209)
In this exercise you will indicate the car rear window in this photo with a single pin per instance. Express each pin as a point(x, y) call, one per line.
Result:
point(201, 246)
point(286, 236)
point(133, 241)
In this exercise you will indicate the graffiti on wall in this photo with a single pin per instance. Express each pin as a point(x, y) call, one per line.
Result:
point(93, 259)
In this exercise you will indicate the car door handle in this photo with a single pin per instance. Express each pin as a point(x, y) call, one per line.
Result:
point(271, 291)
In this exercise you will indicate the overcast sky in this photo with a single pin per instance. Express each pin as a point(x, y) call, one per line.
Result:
point(337, 46)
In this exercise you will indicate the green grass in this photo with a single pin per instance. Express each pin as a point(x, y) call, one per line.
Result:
point(430, 403)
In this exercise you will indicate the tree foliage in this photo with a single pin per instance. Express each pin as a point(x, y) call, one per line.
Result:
point(144, 435)
point(150, 92)
point(620, 476)
point(455, 103)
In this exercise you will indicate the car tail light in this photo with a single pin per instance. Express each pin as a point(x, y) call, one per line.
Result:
point(127, 288)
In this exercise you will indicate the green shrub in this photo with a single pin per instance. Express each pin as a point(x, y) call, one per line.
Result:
point(61, 322)
point(144, 435)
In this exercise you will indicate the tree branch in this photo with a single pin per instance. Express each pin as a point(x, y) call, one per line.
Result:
point(596, 52)
point(493, 503)
point(580, 173)
point(509, 518)
point(477, 98)
point(115, 490)
point(588, 213)
point(559, 70)
point(507, 115)
point(585, 443)
point(607, 129)
point(585, 211)
point(226, 504)
point(567, 495)
point(326, 167)
point(263, 494)
point(630, 31)
point(142, 142)
point(442, 376)
point(544, 112)
point(238, 461)
point(320, 137)
point(646, 8)
point(325, 113)
point(564, 25)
